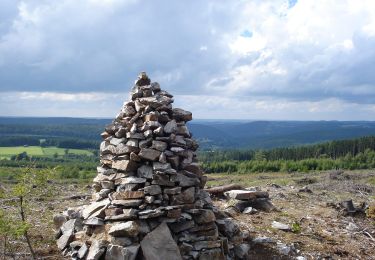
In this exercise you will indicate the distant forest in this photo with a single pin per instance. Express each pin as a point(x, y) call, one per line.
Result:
point(332, 150)
point(61, 142)
point(211, 135)
point(242, 147)
point(344, 154)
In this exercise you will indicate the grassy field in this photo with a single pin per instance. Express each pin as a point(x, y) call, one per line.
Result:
point(7, 152)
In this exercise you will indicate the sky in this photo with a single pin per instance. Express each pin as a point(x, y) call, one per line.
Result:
point(258, 59)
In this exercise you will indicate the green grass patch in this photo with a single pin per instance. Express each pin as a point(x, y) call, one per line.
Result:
point(7, 152)
point(50, 151)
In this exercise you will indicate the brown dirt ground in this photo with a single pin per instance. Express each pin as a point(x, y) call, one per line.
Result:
point(323, 233)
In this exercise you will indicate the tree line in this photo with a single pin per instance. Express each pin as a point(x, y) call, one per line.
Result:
point(331, 149)
point(365, 160)
point(60, 142)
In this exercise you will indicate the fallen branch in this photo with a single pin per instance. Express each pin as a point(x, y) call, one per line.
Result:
point(219, 190)
point(77, 197)
point(368, 234)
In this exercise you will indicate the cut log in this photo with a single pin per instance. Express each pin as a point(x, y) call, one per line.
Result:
point(219, 190)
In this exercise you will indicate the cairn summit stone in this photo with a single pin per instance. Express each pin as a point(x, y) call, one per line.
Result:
point(148, 199)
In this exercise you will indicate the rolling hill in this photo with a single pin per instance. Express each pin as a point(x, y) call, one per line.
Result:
point(220, 134)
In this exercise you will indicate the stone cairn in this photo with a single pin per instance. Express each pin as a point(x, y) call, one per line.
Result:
point(149, 201)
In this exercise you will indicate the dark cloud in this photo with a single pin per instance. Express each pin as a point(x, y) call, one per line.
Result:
point(64, 47)
point(280, 51)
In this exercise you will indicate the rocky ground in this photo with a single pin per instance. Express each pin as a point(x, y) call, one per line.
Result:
point(315, 225)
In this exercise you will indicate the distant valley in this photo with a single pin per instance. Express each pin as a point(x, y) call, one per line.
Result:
point(211, 134)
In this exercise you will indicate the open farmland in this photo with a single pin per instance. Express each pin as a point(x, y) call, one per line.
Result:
point(7, 152)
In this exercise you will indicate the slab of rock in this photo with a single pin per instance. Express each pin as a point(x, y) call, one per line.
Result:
point(126, 149)
point(249, 210)
point(93, 207)
point(242, 250)
point(94, 222)
point(132, 180)
point(281, 226)
point(96, 250)
point(125, 195)
point(129, 228)
point(170, 127)
point(82, 251)
point(145, 171)
point(127, 203)
point(124, 165)
point(158, 166)
point(262, 240)
point(116, 252)
point(184, 197)
point(182, 225)
point(64, 240)
point(149, 154)
point(159, 245)
point(185, 181)
point(172, 191)
point(194, 168)
point(127, 214)
point(206, 244)
point(182, 115)
point(152, 189)
point(241, 194)
point(151, 213)
point(204, 216)
point(228, 227)
point(159, 145)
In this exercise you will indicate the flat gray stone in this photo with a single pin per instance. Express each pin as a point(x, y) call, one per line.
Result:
point(82, 251)
point(158, 166)
point(94, 207)
point(241, 194)
point(132, 180)
point(64, 240)
point(96, 250)
point(204, 216)
point(249, 210)
point(159, 145)
point(124, 165)
point(185, 197)
point(170, 127)
point(159, 245)
point(129, 228)
point(145, 171)
point(127, 203)
point(152, 189)
point(116, 252)
point(182, 115)
point(94, 221)
point(149, 154)
point(281, 226)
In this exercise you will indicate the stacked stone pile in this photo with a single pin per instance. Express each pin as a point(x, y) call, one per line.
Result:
point(249, 200)
point(149, 201)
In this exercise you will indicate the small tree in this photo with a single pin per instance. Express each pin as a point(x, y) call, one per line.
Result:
point(32, 184)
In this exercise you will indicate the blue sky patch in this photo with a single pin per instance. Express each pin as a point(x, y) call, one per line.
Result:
point(247, 34)
point(292, 3)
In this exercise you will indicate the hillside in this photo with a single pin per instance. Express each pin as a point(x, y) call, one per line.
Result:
point(221, 134)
